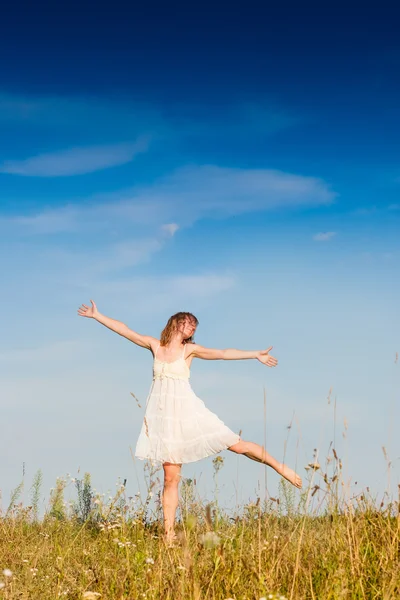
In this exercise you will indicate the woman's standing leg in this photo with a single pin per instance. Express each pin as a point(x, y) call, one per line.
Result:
point(170, 497)
point(259, 454)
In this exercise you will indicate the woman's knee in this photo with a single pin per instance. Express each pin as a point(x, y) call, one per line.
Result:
point(171, 480)
point(172, 475)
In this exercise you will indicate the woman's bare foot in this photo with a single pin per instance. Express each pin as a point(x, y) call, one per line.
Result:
point(290, 475)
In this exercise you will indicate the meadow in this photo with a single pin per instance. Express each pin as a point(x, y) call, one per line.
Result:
point(317, 544)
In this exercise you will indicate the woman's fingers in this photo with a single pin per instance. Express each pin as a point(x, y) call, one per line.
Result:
point(86, 311)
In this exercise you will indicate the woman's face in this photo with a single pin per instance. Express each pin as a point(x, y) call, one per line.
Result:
point(187, 327)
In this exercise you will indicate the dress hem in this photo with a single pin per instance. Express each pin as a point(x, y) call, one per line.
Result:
point(182, 462)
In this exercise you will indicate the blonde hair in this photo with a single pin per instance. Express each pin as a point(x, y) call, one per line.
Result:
point(171, 326)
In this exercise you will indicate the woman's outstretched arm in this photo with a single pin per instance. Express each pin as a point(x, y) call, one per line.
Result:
point(233, 354)
point(146, 341)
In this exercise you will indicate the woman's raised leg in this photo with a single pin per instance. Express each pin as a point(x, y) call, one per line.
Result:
point(259, 454)
point(170, 497)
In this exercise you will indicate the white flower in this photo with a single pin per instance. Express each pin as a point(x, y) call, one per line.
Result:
point(210, 539)
point(150, 561)
point(7, 573)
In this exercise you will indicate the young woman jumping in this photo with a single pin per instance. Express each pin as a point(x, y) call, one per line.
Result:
point(177, 427)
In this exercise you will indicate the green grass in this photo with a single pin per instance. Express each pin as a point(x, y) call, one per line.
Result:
point(317, 544)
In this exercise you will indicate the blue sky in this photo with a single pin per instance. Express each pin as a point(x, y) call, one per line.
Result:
point(243, 166)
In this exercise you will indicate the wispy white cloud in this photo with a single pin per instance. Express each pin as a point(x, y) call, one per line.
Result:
point(324, 236)
point(189, 194)
point(124, 254)
point(170, 228)
point(50, 221)
point(84, 114)
point(235, 117)
point(76, 161)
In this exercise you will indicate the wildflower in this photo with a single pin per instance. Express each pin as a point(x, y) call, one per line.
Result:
point(91, 595)
point(314, 466)
point(210, 539)
point(150, 561)
point(7, 573)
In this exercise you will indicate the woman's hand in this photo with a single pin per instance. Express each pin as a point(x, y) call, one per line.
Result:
point(86, 311)
point(266, 359)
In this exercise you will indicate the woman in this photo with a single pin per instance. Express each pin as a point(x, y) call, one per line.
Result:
point(177, 426)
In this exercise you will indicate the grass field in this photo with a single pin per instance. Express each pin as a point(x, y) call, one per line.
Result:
point(317, 544)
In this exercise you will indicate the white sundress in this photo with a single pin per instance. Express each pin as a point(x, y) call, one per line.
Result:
point(178, 427)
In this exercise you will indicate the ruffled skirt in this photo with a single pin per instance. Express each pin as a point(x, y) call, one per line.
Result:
point(178, 427)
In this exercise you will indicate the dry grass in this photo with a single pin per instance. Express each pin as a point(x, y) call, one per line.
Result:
point(315, 545)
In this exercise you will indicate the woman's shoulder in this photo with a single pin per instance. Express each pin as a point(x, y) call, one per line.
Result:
point(154, 344)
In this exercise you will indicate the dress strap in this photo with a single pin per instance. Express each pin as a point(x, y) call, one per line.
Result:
point(155, 354)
